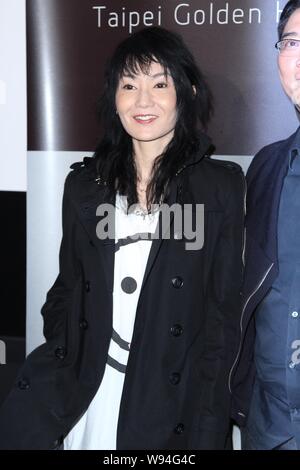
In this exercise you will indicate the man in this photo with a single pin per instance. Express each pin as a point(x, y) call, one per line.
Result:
point(266, 372)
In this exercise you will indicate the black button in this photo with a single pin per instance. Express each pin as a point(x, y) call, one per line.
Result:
point(175, 378)
point(176, 330)
point(87, 286)
point(92, 243)
point(177, 282)
point(60, 352)
point(179, 428)
point(23, 384)
point(128, 285)
point(83, 324)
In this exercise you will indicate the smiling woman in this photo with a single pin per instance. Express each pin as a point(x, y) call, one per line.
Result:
point(145, 98)
point(141, 326)
point(155, 99)
point(146, 105)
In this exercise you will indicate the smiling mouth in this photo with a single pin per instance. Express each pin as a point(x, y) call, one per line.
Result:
point(145, 118)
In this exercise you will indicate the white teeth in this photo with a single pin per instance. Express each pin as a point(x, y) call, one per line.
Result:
point(145, 118)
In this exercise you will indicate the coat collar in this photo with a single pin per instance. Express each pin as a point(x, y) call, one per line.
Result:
point(87, 201)
point(89, 192)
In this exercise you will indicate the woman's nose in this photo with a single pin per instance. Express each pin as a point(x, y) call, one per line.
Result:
point(144, 98)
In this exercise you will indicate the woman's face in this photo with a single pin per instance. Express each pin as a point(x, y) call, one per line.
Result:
point(146, 105)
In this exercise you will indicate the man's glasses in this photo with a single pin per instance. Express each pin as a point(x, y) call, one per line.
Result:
point(288, 47)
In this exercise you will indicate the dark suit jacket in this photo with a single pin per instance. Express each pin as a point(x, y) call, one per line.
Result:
point(189, 331)
point(264, 181)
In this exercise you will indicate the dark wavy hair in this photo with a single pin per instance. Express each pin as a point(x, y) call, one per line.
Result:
point(288, 10)
point(114, 153)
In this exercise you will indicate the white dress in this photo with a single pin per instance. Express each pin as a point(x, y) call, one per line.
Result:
point(97, 428)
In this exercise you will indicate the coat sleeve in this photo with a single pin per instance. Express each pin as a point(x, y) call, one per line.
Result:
point(223, 313)
point(58, 298)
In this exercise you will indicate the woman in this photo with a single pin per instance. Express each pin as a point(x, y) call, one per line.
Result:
point(141, 323)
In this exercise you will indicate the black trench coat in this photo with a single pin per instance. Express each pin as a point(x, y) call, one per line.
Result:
point(176, 393)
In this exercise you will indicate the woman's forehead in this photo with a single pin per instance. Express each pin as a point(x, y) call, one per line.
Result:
point(150, 68)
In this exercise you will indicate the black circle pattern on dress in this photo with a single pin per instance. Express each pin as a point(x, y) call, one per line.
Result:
point(129, 285)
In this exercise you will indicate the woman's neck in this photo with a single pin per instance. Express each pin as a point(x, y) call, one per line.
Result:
point(145, 154)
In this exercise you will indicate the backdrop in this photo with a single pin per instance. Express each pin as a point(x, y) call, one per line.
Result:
point(68, 43)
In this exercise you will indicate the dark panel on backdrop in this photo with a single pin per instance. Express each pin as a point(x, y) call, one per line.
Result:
point(13, 263)
point(69, 42)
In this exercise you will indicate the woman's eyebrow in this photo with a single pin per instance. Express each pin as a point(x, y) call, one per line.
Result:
point(156, 75)
point(160, 74)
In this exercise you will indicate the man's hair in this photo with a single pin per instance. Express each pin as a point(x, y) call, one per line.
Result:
point(114, 157)
point(288, 10)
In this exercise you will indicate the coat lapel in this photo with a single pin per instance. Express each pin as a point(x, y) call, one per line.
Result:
point(205, 148)
point(90, 197)
point(156, 243)
point(87, 208)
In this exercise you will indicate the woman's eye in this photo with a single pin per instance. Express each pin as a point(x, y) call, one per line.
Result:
point(161, 85)
point(127, 86)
